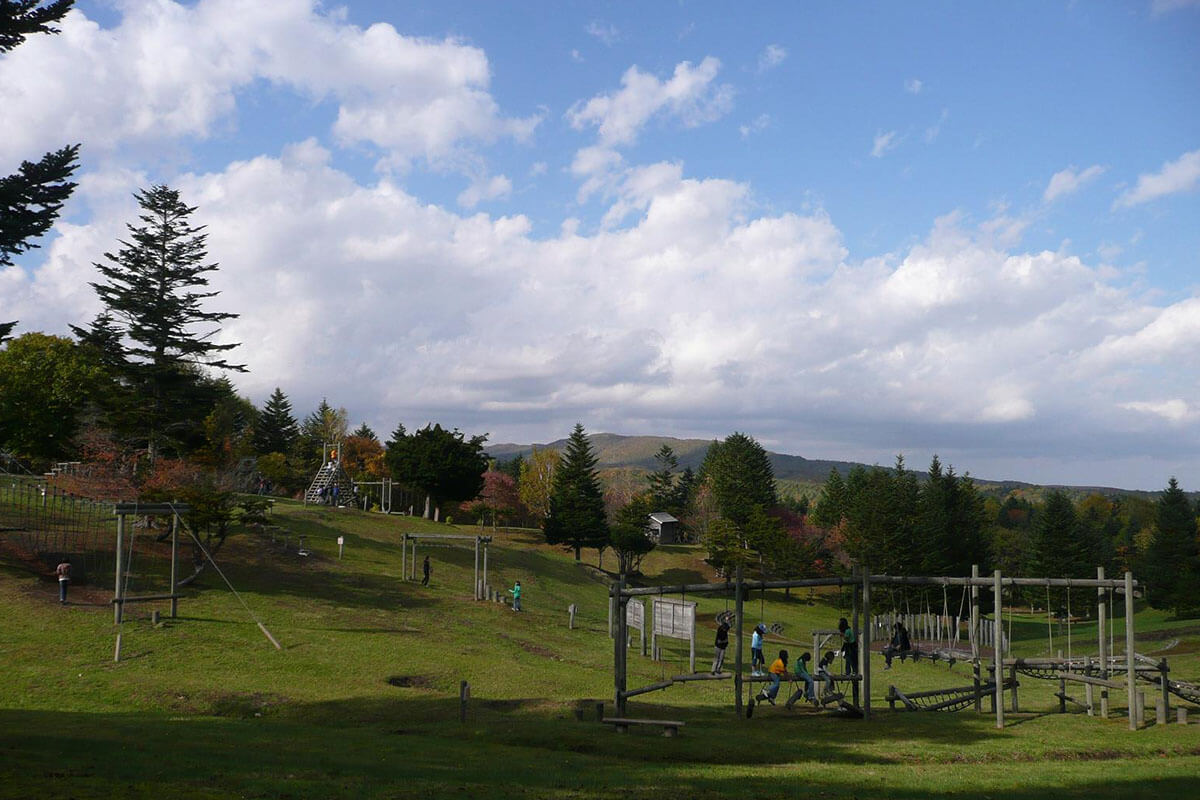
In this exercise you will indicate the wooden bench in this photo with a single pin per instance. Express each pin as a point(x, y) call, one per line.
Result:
point(670, 727)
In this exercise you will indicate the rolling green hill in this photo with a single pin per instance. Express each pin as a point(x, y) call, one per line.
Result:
point(363, 699)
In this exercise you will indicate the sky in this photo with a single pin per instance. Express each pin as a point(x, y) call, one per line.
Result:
point(851, 230)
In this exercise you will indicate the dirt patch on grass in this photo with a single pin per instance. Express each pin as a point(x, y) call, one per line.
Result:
point(237, 705)
point(530, 647)
point(411, 681)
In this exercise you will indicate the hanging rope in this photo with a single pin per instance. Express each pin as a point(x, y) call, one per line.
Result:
point(958, 621)
point(1012, 599)
point(208, 555)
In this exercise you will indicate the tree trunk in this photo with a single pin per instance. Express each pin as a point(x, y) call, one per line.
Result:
point(427, 504)
point(577, 549)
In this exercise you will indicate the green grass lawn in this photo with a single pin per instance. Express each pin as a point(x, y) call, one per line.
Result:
point(363, 699)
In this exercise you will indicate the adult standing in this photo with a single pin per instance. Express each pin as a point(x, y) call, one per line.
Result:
point(719, 646)
point(425, 572)
point(63, 571)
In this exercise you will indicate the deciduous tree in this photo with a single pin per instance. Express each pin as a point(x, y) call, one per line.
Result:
point(443, 464)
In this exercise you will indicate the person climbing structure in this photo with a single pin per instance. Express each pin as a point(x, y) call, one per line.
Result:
point(849, 646)
point(777, 670)
point(719, 646)
point(809, 691)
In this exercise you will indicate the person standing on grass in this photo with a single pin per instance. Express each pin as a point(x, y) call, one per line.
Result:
point(63, 571)
point(719, 646)
point(425, 570)
point(849, 646)
point(516, 593)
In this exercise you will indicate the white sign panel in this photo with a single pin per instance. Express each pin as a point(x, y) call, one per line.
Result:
point(674, 618)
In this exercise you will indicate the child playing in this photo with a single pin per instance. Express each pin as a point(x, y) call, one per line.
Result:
point(719, 646)
point(824, 672)
point(809, 690)
point(849, 646)
point(900, 644)
point(756, 645)
point(777, 671)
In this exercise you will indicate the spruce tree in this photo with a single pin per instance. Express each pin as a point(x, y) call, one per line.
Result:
point(577, 517)
point(662, 479)
point(151, 287)
point(1172, 562)
point(739, 471)
point(277, 430)
point(33, 196)
point(364, 432)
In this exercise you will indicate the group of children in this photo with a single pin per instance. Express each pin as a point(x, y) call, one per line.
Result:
point(779, 667)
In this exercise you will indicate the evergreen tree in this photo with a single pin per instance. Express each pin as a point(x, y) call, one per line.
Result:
point(441, 463)
point(831, 504)
point(576, 518)
point(740, 474)
point(1172, 561)
point(151, 283)
point(364, 432)
point(325, 426)
point(662, 479)
point(276, 431)
point(32, 197)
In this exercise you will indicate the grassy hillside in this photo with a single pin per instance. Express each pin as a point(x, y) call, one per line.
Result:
point(363, 699)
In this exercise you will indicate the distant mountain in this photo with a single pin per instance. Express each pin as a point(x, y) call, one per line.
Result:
point(614, 451)
point(637, 452)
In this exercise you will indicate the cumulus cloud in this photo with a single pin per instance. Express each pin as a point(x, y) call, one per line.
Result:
point(703, 313)
point(1180, 175)
point(1069, 181)
point(772, 56)
point(690, 95)
point(884, 141)
point(485, 188)
point(169, 71)
point(913, 86)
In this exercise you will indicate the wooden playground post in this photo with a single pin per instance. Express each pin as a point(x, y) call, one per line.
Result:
point(485, 575)
point(737, 649)
point(864, 649)
point(404, 556)
point(117, 604)
point(975, 632)
point(174, 564)
point(475, 584)
point(619, 647)
point(997, 647)
point(1101, 619)
point(1131, 674)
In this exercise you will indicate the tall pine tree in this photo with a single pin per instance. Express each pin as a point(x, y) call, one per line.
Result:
point(151, 287)
point(1172, 561)
point(576, 517)
point(276, 431)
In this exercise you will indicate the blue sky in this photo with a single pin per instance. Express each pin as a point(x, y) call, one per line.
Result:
point(851, 230)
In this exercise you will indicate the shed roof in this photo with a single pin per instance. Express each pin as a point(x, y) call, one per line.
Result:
point(661, 516)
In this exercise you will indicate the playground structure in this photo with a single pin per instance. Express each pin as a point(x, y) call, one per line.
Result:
point(989, 679)
point(331, 485)
point(408, 567)
point(121, 596)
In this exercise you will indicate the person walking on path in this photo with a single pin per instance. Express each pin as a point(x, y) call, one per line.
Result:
point(63, 571)
point(849, 646)
point(425, 572)
point(516, 593)
point(719, 646)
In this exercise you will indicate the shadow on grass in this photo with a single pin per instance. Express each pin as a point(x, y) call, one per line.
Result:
point(414, 745)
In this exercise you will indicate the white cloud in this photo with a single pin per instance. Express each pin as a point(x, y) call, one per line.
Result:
point(772, 56)
point(1069, 181)
point(169, 71)
point(576, 56)
point(884, 141)
point(701, 312)
point(935, 130)
point(913, 86)
point(757, 125)
point(1180, 175)
point(690, 95)
point(485, 188)
point(1174, 410)
point(538, 168)
point(605, 32)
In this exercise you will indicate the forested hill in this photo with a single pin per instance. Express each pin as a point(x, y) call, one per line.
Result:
point(615, 451)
